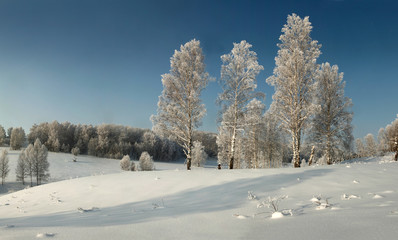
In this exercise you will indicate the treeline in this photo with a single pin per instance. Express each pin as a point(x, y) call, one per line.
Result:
point(387, 141)
point(105, 140)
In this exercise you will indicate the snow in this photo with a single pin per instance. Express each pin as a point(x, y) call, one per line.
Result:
point(96, 200)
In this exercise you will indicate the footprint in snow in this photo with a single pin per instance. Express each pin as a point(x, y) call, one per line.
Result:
point(388, 192)
point(82, 210)
point(9, 226)
point(349, 197)
point(43, 235)
point(376, 196)
point(238, 216)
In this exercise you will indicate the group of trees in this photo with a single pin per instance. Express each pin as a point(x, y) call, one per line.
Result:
point(387, 141)
point(106, 140)
point(308, 104)
point(32, 163)
point(308, 97)
point(15, 137)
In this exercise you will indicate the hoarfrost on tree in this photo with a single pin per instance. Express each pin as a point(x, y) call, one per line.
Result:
point(294, 79)
point(238, 81)
point(331, 128)
point(180, 109)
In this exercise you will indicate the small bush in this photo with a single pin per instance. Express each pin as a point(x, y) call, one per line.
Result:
point(125, 163)
point(146, 162)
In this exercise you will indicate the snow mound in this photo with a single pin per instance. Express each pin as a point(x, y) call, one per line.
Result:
point(377, 196)
point(276, 215)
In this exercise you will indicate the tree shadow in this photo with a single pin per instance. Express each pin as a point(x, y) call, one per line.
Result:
point(228, 195)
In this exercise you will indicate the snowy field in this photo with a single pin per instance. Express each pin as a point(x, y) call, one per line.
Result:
point(93, 199)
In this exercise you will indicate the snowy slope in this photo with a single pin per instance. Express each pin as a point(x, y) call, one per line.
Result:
point(362, 203)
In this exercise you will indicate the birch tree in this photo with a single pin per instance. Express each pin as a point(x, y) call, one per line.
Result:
point(360, 148)
point(253, 120)
point(22, 167)
point(2, 135)
point(238, 81)
point(272, 142)
point(37, 161)
point(293, 79)
point(331, 125)
point(4, 167)
point(370, 145)
point(180, 109)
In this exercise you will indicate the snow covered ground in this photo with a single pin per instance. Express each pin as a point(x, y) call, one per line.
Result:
point(354, 200)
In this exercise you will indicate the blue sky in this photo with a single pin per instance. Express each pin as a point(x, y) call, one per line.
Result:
point(96, 61)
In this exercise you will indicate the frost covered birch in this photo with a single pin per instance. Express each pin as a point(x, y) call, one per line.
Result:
point(180, 109)
point(253, 127)
point(22, 167)
point(331, 125)
point(37, 161)
point(293, 79)
point(4, 167)
point(238, 81)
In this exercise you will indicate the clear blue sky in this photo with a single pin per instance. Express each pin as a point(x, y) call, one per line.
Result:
point(95, 61)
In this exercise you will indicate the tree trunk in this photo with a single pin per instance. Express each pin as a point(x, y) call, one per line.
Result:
point(311, 156)
point(189, 155)
point(189, 161)
point(396, 148)
point(233, 140)
point(296, 150)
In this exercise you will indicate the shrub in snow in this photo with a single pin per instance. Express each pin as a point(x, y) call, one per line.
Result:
point(199, 155)
point(251, 196)
point(146, 162)
point(4, 168)
point(272, 203)
point(132, 166)
point(303, 163)
point(125, 163)
point(320, 203)
point(75, 151)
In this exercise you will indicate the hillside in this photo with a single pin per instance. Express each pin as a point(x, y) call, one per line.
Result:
point(358, 200)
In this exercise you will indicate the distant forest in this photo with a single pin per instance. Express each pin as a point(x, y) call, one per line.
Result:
point(108, 140)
